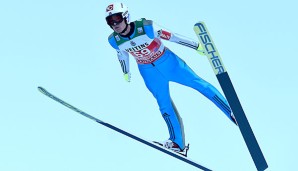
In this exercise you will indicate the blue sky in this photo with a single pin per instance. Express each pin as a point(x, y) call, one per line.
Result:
point(62, 46)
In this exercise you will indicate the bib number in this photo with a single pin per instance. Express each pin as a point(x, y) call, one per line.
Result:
point(142, 53)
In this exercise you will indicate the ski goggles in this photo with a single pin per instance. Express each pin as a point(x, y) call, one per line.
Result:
point(114, 19)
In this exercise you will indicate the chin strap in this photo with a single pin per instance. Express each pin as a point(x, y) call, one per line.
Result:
point(124, 30)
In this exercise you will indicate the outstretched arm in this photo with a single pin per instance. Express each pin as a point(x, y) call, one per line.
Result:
point(177, 38)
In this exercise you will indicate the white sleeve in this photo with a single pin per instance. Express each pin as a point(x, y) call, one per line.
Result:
point(123, 58)
point(184, 41)
point(174, 37)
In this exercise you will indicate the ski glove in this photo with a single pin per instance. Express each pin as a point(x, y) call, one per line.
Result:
point(127, 76)
point(200, 50)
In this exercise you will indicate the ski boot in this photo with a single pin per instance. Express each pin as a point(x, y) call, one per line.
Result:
point(174, 147)
point(234, 119)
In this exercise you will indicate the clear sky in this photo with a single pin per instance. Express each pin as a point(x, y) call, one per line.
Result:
point(62, 46)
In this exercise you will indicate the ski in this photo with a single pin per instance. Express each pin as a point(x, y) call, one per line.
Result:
point(230, 93)
point(148, 143)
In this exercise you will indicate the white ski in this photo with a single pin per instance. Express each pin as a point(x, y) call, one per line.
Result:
point(148, 143)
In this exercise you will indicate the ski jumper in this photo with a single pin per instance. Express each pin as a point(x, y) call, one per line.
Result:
point(158, 65)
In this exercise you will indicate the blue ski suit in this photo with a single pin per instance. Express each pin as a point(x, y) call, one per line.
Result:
point(158, 65)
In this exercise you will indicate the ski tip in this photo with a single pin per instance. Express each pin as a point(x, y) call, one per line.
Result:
point(42, 90)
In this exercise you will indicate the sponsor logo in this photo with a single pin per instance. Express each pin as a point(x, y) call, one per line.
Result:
point(149, 59)
point(211, 49)
point(125, 13)
point(117, 38)
point(110, 8)
point(164, 34)
point(132, 43)
point(140, 30)
point(137, 48)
